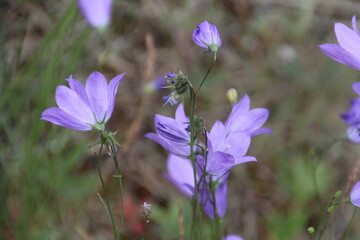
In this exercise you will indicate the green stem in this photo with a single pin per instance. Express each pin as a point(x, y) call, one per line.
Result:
point(193, 161)
point(106, 202)
point(346, 236)
point(119, 177)
point(206, 75)
point(326, 219)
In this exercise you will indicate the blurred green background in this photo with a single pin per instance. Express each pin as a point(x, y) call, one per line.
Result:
point(48, 177)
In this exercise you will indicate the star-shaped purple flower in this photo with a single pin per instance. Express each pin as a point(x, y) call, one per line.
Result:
point(355, 195)
point(207, 36)
point(84, 107)
point(348, 50)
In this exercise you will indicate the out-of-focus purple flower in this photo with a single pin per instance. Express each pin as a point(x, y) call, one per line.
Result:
point(96, 12)
point(355, 195)
point(180, 173)
point(207, 36)
point(157, 84)
point(233, 237)
point(352, 117)
point(242, 119)
point(84, 107)
point(171, 133)
point(348, 50)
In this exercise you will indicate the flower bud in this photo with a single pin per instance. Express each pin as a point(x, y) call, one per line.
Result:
point(146, 209)
point(331, 209)
point(338, 194)
point(311, 230)
point(232, 95)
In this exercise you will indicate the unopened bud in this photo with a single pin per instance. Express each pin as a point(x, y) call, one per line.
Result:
point(331, 209)
point(338, 194)
point(311, 230)
point(232, 95)
point(146, 209)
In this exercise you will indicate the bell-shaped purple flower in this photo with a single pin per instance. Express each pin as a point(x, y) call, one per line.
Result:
point(348, 50)
point(172, 133)
point(84, 107)
point(207, 36)
point(355, 195)
point(233, 237)
point(96, 12)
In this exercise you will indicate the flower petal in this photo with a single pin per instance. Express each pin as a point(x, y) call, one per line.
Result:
point(340, 55)
point(96, 12)
point(71, 103)
point(354, 25)
point(180, 173)
point(251, 121)
point(348, 39)
point(354, 134)
point(217, 132)
point(59, 117)
point(238, 144)
point(219, 163)
point(180, 116)
point(239, 109)
point(111, 90)
point(245, 159)
point(220, 199)
point(97, 91)
point(78, 88)
point(233, 237)
point(261, 131)
point(356, 87)
point(355, 195)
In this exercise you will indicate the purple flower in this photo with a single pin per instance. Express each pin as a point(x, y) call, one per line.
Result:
point(171, 133)
point(207, 36)
point(233, 237)
point(242, 119)
point(348, 50)
point(355, 195)
point(96, 12)
point(84, 107)
point(180, 173)
point(352, 117)
point(235, 144)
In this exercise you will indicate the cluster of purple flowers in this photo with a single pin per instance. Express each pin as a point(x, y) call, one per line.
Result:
point(226, 146)
point(348, 52)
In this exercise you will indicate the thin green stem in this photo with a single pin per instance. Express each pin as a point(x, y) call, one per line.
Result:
point(346, 235)
point(119, 177)
point(193, 162)
point(106, 200)
point(326, 218)
point(206, 75)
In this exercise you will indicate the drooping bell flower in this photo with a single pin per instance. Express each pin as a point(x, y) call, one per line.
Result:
point(207, 36)
point(84, 107)
point(96, 12)
point(172, 133)
point(348, 50)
